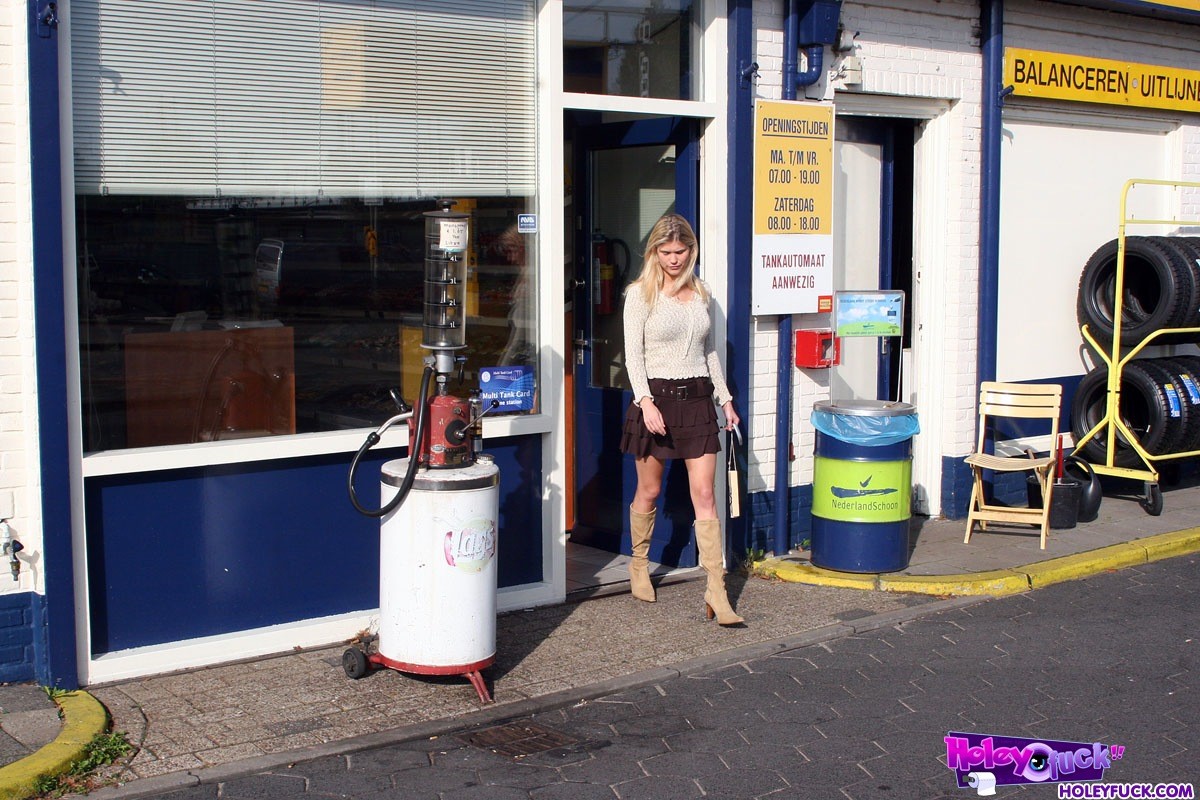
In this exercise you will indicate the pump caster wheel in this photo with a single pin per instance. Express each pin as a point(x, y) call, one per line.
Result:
point(1153, 501)
point(354, 661)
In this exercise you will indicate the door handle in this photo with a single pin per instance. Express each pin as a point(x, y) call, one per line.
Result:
point(587, 343)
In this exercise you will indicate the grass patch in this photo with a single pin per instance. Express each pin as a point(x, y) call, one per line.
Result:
point(751, 565)
point(104, 749)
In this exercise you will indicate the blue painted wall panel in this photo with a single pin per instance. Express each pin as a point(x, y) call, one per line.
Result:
point(956, 487)
point(519, 539)
point(16, 636)
point(761, 522)
point(188, 553)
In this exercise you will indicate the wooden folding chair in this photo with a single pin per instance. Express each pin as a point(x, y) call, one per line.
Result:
point(1022, 401)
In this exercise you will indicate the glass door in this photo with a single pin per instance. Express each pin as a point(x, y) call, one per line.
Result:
point(628, 175)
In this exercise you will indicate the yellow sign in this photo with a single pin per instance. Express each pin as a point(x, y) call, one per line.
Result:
point(1187, 5)
point(792, 270)
point(793, 156)
point(1059, 76)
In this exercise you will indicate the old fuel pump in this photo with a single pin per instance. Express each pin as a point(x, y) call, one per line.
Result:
point(437, 571)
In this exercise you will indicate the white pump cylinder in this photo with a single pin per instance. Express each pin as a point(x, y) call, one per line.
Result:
point(437, 570)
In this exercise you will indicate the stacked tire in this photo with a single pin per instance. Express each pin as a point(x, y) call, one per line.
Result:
point(1160, 397)
point(1160, 404)
point(1161, 289)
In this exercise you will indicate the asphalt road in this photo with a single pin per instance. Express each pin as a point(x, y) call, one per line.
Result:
point(1108, 660)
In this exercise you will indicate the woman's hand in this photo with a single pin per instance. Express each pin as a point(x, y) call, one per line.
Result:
point(652, 417)
point(731, 417)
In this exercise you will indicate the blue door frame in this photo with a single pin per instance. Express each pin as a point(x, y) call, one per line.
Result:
point(605, 479)
point(52, 616)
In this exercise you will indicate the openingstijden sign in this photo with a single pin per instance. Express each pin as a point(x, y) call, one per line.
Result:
point(792, 269)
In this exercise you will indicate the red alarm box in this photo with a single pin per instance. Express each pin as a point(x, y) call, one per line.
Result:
point(817, 348)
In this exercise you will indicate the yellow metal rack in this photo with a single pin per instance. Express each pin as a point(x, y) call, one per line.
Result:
point(1112, 425)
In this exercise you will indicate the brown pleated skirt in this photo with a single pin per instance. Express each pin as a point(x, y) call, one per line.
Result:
point(689, 414)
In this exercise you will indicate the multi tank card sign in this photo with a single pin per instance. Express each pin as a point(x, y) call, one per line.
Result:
point(792, 269)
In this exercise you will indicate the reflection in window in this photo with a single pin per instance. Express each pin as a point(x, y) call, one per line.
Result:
point(634, 48)
point(205, 321)
point(249, 204)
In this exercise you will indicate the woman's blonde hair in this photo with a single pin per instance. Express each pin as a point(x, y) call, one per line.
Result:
point(669, 228)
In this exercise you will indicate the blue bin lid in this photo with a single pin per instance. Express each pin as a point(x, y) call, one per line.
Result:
point(865, 408)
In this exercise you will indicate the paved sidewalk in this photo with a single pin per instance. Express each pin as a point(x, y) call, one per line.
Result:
point(247, 717)
point(43, 736)
point(267, 710)
point(1101, 661)
point(28, 721)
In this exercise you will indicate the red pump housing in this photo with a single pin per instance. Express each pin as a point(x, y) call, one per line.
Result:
point(446, 442)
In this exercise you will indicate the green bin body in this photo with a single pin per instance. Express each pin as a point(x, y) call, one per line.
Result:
point(862, 493)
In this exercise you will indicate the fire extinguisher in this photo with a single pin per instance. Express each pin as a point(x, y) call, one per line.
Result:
point(604, 275)
point(608, 275)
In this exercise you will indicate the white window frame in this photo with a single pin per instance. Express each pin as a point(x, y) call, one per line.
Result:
point(205, 454)
point(711, 111)
point(549, 422)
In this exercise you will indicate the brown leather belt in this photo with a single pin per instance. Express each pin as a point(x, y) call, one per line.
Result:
point(682, 390)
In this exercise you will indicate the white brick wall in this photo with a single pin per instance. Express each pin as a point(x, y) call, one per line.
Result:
point(1191, 171)
point(911, 48)
point(18, 427)
point(929, 49)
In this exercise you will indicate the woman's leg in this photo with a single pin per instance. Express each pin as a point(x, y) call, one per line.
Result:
point(701, 472)
point(642, 513)
point(649, 483)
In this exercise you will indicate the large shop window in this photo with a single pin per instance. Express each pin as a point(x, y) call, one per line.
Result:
point(632, 48)
point(250, 181)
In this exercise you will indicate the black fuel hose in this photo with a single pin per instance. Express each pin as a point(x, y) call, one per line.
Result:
point(413, 458)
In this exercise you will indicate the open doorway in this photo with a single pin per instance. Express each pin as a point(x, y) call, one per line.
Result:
point(625, 172)
point(873, 245)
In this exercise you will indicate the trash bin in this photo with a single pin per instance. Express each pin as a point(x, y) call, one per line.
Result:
point(1064, 500)
point(862, 484)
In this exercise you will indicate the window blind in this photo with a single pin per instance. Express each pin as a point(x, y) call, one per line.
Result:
point(304, 98)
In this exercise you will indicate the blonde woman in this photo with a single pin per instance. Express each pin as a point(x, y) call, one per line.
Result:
point(677, 384)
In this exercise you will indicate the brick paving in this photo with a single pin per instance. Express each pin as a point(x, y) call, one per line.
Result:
point(209, 725)
point(856, 714)
point(273, 707)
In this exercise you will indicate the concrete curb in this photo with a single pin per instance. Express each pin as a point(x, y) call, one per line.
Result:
point(999, 582)
point(83, 719)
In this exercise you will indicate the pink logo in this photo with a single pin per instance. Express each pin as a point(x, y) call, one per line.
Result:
point(471, 548)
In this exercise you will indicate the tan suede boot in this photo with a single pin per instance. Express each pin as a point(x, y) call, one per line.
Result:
point(716, 601)
point(641, 526)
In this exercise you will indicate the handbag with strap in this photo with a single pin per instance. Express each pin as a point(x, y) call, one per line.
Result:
point(734, 487)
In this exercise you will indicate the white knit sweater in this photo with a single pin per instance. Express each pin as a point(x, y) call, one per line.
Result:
point(670, 340)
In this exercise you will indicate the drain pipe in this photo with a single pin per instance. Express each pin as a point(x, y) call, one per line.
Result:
point(992, 46)
point(792, 78)
point(783, 368)
point(739, 321)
